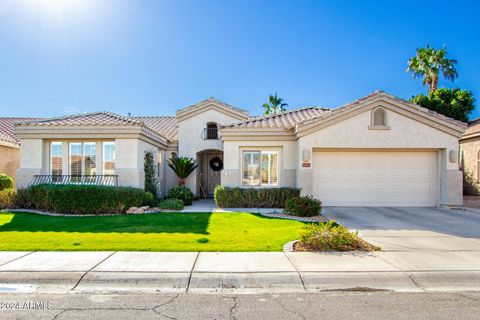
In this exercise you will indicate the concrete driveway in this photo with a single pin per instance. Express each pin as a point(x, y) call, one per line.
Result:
point(413, 229)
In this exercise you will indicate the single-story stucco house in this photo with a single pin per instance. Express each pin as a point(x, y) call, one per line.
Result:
point(10, 146)
point(379, 150)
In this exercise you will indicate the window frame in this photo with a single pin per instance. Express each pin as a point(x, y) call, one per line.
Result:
point(104, 144)
point(52, 144)
point(261, 153)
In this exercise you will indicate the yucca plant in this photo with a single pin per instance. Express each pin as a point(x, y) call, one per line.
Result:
point(182, 166)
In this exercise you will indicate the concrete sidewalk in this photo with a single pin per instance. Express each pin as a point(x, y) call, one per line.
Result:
point(238, 272)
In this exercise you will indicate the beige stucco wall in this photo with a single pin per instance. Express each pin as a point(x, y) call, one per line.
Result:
point(191, 142)
point(231, 175)
point(9, 160)
point(469, 150)
point(404, 133)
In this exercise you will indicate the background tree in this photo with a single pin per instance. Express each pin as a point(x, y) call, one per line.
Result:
point(274, 105)
point(429, 62)
point(183, 167)
point(150, 173)
point(454, 103)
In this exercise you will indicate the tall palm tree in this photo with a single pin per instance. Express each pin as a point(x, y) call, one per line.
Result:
point(182, 166)
point(274, 105)
point(428, 63)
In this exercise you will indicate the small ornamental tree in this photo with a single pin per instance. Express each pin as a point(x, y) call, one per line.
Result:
point(150, 174)
point(183, 167)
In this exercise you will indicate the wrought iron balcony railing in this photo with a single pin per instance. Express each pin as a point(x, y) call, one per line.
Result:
point(210, 134)
point(96, 180)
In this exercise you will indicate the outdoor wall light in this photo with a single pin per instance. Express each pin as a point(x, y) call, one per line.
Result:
point(306, 155)
point(452, 156)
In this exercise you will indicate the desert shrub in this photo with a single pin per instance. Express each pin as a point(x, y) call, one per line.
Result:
point(181, 193)
point(171, 204)
point(471, 187)
point(149, 199)
point(227, 197)
point(330, 236)
point(81, 199)
point(7, 198)
point(303, 206)
point(5, 182)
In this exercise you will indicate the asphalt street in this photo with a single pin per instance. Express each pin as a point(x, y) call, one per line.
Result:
point(329, 305)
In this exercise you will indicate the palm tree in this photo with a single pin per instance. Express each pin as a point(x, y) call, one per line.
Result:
point(274, 105)
point(429, 62)
point(182, 166)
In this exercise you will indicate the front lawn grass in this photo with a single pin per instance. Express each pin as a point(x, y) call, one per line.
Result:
point(237, 231)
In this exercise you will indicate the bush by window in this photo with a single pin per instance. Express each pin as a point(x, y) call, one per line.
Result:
point(80, 199)
point(226, 197)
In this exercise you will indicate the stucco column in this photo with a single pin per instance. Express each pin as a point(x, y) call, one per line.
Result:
point(32, 161)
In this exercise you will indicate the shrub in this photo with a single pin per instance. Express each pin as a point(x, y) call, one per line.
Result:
point(7, 198)
point(330, 236)
point(5, 182)
point(471, 186)
point(227, 197)
point(171, 204)
point(81, 199)
point(303, 206)
point(150, 174)
point(181, 193)
point(149, 199)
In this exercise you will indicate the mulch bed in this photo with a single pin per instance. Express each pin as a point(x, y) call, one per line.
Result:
point(362, 245)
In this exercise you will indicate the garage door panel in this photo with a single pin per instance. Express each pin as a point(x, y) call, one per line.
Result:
point(375, 178)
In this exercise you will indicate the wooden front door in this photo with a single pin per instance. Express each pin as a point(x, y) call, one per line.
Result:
point(211, 177)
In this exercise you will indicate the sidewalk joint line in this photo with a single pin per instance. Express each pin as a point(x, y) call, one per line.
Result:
point(83, 275)
point(191, 272)
point(17, 258)
point(298, 271)
point(414, 281)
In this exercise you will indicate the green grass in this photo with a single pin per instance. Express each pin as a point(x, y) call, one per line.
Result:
point(149, 232)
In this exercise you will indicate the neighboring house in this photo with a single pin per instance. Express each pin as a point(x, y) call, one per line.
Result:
point(377, 151)
point(9, 146)
point(470, 148)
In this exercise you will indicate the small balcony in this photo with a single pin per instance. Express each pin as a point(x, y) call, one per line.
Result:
point(93, 180)
point(210, 134)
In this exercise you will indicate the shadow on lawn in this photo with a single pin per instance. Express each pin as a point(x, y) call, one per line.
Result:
point(147, 223)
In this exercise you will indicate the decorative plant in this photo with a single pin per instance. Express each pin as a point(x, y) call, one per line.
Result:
point(182, 166)
point(150, 179)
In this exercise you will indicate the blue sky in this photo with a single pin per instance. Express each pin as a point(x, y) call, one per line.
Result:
point(60, 57)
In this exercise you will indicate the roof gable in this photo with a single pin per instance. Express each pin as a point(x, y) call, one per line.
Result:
point(388, 101)
point(211, 104)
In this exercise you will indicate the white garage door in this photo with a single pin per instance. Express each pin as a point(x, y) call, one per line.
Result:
point(374, 178)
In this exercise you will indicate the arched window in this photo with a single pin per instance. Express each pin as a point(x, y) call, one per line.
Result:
point(212, 131)
point(378, 119)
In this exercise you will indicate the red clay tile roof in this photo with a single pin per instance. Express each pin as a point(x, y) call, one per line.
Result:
point(94, 118)
point(164, 125)
point(7, 132)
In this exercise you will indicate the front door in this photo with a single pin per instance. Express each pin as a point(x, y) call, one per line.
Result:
point(212, 165)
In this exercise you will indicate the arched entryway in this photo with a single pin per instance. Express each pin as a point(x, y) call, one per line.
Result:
point(210, 165)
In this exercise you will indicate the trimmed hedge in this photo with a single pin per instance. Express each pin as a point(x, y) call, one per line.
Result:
point(171, 204)
point(227, 197)
point(80, 199)
point(7, 198)
point(303, 206)
point(181, 193)
point(6, 182)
